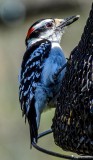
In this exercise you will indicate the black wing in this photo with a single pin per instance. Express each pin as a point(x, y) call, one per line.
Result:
point(31, 69)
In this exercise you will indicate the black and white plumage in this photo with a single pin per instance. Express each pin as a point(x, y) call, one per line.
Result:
point(40, 79)
point(32, 65)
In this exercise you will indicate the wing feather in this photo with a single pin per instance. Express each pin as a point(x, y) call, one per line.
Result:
point(31, 69)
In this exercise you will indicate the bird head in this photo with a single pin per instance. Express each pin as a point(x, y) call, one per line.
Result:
point(51, 29)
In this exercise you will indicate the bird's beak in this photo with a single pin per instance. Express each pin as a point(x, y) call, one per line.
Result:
point(61, 23)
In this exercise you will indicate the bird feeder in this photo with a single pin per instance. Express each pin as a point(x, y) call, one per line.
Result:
point(73, 120)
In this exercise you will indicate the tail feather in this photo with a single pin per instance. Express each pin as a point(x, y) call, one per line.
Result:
point(33, 133)
point(32, 122)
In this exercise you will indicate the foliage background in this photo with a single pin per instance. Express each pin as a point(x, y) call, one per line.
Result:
point(15, 19)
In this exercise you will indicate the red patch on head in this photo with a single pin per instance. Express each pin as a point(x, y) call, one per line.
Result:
point(29, 32)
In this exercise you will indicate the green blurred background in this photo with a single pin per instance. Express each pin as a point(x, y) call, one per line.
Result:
point(15, 19)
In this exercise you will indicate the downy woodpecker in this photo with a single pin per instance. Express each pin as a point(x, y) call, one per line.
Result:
point(40, 76)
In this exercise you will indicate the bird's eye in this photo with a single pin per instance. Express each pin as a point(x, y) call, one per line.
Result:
point(49, 25)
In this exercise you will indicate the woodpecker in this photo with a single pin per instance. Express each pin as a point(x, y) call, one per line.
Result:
point(41, 70)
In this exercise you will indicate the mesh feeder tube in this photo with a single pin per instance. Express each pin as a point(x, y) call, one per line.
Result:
point(73, 120)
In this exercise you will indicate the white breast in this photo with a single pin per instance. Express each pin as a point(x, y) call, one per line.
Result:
point(55, 60)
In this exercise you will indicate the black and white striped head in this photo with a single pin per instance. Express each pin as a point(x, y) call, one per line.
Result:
point(51, 29)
